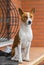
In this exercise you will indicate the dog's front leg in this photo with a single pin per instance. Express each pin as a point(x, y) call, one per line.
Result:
point(19, 53)
point(27, 55)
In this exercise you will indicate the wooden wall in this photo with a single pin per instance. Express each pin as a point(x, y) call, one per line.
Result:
point(38, 22)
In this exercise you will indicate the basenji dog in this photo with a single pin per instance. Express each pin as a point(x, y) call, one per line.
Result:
point(23, 39)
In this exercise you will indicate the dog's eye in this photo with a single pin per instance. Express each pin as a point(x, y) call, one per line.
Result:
point(30, 16)
point(26, 17)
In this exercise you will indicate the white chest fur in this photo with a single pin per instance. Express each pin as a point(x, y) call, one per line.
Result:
point(25, 32)
point(26, 36)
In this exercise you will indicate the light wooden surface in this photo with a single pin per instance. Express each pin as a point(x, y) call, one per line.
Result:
point(35, 53)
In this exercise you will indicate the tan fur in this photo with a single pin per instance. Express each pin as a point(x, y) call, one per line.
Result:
point(31, 16)
point(15, 44)
point(24, 17)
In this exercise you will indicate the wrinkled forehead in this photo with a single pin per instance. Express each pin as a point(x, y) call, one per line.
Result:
point(27, 14)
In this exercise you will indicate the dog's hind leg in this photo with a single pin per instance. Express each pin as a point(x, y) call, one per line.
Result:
point(15, 44)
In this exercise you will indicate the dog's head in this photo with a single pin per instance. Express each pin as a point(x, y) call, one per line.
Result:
point(27, 17)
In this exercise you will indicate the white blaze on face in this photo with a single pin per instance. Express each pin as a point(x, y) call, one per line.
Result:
point(29, 19)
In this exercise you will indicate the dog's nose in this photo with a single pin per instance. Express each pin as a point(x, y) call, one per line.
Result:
point(29, 22)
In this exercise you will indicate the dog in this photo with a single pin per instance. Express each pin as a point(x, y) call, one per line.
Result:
point(23, 39)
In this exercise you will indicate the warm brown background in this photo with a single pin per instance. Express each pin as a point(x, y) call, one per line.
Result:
point(38, 22)
point(12, 13)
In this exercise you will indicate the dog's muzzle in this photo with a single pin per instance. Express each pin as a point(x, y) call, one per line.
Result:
point(29, 22)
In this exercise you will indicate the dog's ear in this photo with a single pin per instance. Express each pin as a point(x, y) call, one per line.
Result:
point(33, 10)
point(20, 11)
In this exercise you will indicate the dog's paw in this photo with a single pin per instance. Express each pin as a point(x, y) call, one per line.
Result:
point(20, 61)
point(14, 58)
point(26, 59)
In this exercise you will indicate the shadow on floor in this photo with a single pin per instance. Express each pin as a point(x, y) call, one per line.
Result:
point(6, 61)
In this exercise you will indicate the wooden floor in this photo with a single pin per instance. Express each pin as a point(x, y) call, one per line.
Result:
point(42, 63)
point(35, 53)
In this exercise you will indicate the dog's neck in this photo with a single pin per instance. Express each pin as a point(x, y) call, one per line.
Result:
point(25, 24)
